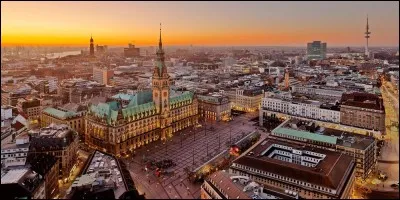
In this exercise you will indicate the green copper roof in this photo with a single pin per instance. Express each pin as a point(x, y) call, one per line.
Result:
point(306, 135)
point(59, 113)
point(175, 101)
point(108, 110)
point(141, 98)
point(140, 105)
point(145, 109)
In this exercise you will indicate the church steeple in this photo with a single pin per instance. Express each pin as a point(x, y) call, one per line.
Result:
point(91, 48)
point(160, 41)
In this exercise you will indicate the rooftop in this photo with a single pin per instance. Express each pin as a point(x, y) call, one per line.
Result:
point(13, 176)
point(101, 172)
point(59, 113)
point(328, 172)
point(241, 187)
point(363, 100)
point(52, 137)
point(141, 104)
point(213, 98)
point(308, 130)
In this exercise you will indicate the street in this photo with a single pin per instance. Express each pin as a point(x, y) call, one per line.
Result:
point(80, 164)
point(388, 161)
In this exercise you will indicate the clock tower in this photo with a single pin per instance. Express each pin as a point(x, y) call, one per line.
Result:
point(160, 86)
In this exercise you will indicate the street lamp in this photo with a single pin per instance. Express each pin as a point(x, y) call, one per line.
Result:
point(219, 140)
point(230, 134)
point(207, 146)
point(181, 137)
point(193, 157)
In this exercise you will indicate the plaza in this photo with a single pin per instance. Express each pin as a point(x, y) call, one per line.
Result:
point(188, 150)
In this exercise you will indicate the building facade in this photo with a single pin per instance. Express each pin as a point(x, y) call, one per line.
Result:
point(149, 116)
point(318, 90)
point(31, 108)
point(48, 167)
point(363, 110)
point(15, 154)
point(300, 108)
point(59, 141)
point(214, 107)
point(316, 50)
point(131, 51)
point(102, 75)
point(245, 99)
point(59, 116)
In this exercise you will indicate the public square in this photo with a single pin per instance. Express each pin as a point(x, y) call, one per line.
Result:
point(188, 151)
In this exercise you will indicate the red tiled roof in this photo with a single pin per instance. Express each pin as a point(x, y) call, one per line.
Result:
point(17, 125)
point(222, 180)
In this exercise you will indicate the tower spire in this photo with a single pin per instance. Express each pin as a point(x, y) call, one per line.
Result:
point(367, 32)
point(160, 42)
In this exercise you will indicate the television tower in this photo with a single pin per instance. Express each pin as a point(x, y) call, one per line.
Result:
point(367, 32)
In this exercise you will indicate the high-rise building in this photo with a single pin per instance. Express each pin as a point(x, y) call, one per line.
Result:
point(91, 46)
point(316, 50)
point(102, 75)
point(131, 51)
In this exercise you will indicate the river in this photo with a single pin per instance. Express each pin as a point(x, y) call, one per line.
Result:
point(62, 54)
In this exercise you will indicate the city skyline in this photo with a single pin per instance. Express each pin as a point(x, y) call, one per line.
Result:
point(187, 23)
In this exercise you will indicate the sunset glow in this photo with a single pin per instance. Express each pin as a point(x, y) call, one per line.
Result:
point(185, 23)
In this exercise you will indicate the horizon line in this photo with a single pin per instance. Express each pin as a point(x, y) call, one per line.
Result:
point(181, 45)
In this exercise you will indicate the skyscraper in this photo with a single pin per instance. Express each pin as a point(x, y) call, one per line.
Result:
point(316, 50)
point(91, 46)
point(367, 32)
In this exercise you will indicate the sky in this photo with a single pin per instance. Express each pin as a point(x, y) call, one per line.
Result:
point(199, 23)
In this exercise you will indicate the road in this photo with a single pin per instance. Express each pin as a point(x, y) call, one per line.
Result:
point(188, 151)
point(80, 164)
point(389, 89)
point(388, 161)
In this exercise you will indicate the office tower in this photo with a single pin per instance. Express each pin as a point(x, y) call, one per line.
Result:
point(316, 50)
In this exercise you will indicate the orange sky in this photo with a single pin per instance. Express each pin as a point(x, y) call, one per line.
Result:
point(198, 23)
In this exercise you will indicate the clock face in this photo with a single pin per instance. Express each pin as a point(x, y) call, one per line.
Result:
point(165, 94)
